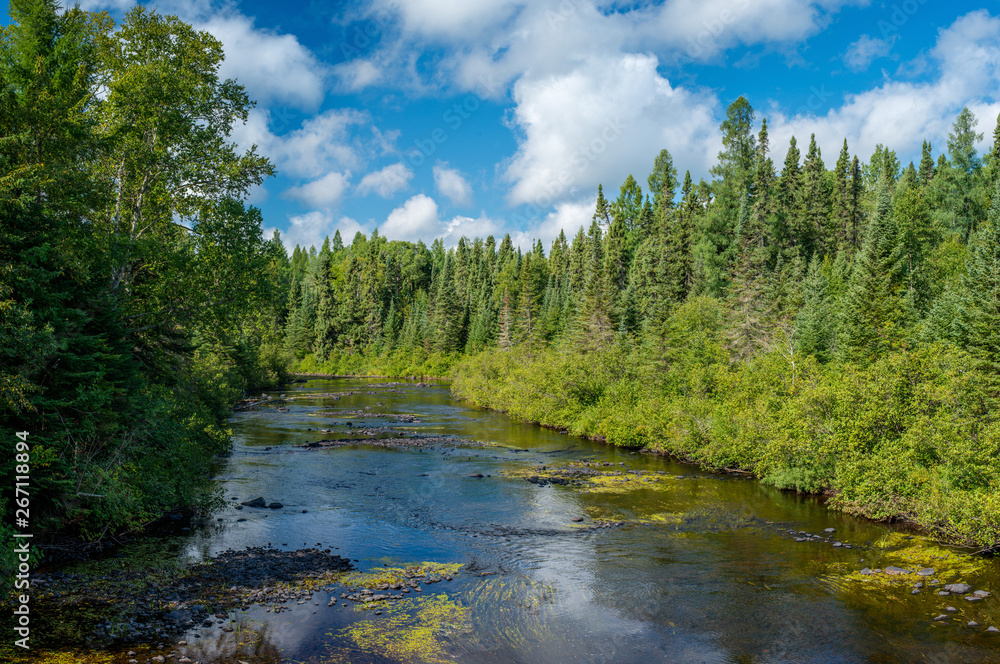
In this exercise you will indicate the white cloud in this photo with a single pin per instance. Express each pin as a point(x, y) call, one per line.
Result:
point(450, 183)
point(357, 74)
point(273, 67)
point(322, 144)
point(468, 227)
point(387, 181)
point(451, 18)
point(100, 5)
point(901, 115)
point(417, 218)
point(310, 229)
point(866, 50)
point(623, 112)
point(324, 192)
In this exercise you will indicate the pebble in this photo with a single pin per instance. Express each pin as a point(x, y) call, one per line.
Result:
point(981, 593)
point(972, 623)
point(927, 571)
point(973, 598)
point(829, 530)
point(866, 571)
point(838, 544)
point(897, 570)
point(951, 609)
point(993, 630)
point(941, 617)
point(915, 592)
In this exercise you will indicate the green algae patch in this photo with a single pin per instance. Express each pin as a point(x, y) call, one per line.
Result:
point(386, 577)
point(414, 630)
point(593, 478)
point(911, 554)
point(18, 656)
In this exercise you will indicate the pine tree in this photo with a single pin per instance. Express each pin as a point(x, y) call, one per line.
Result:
point(787, 197)
point(809, 229)
point(874, 312)
point(662, 183)
point(979, 313)
point(814, 325)
point(926, 173)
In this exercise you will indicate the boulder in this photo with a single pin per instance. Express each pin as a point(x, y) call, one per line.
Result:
point(256, 502)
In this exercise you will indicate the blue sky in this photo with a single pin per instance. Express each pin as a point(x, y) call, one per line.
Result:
point(443, 118)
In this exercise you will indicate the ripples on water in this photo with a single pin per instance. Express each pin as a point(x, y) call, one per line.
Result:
point(703, 571)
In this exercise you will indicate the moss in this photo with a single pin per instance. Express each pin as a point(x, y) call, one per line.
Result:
point(410, 631)
point(898, 550)
point(387, 576)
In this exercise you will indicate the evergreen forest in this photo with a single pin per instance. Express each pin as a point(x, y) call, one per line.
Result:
point(828, 326)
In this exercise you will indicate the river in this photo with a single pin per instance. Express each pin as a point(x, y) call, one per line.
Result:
point(660, 563)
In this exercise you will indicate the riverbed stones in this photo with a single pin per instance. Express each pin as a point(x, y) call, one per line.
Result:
point(982, 593)
point(972, 623)
point(829, 530)
point(940, 618)
point(256, 502)
point(891, 569)
point(927, 571)
point(958, 588)
point(866, 572)
point(951, 609)
point(992, 630)
point(275, 505)
point(973, 598)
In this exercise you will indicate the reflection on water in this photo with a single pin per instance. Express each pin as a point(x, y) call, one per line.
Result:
point(704, 568)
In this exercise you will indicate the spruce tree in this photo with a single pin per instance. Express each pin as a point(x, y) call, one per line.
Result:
point(874, 313)
point(979, 313)
point(814, 325)
point(926, 172)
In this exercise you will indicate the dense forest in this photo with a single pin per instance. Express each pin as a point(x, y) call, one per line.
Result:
point(830, 330)
point(135, 286)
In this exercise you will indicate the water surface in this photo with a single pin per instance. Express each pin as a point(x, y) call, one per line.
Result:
point(704, 569)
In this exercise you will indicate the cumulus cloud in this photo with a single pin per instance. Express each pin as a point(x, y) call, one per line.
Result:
point(322, 143)
point(357, 74)
point(324, 192)
point(310, 229)
point(449, 18)
point(866, 50)
point(387, 181)
point(273, 67)
point(450, 183)
point(901, 114)
point(417, 218)
point(623, 112)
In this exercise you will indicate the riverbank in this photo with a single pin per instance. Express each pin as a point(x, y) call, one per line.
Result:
point(416, 363)
point(906, 439)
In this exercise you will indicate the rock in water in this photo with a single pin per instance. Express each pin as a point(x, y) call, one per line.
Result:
point(927, 571)
point(275, 505)
point(256, 502)
point(897, 570)
point(958, 588)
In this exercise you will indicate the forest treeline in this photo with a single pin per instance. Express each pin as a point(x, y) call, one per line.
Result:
point(832, 330)
point(135, 285)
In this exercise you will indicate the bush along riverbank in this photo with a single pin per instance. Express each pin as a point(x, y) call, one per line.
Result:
point(910, 437)
point(398, 363)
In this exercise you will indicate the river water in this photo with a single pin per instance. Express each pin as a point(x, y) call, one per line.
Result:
point(705, 568)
